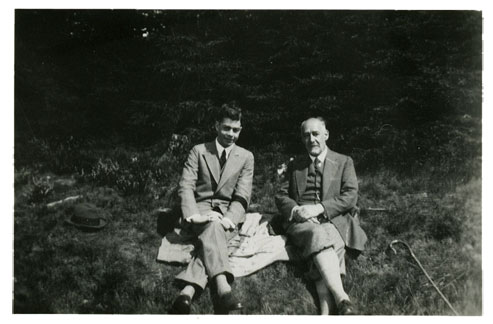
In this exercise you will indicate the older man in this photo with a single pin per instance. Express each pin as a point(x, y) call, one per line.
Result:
point(317, 202)
point(215, 190)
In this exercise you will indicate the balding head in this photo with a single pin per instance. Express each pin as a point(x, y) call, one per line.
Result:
point(314, 134)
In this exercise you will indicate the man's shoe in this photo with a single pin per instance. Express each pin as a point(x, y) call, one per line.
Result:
point(228, 303)
point(346, 308)
point(182, 305)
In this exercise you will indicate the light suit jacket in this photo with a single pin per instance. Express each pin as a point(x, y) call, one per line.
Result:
point(339, 195)
point(203, 187)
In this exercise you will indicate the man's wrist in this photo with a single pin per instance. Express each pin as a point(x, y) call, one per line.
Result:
point(320, 209)
point(189, 218)
point(229, 222)
point(292, 212)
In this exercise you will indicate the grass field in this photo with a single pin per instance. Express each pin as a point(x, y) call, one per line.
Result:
point(108, 103)
point(60, 269)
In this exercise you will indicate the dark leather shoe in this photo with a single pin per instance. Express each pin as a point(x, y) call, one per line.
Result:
point(346, 308)
point(228, 303)
point(181, 305)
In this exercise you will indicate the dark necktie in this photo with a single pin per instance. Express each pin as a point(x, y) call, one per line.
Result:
point(222, 160)
point(318, 173)
point(318, 165)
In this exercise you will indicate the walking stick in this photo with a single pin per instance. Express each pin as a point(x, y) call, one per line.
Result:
point(424, 271)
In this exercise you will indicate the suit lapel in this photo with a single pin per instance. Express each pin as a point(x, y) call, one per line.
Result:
point(212, 160)
point(229, 167)
point(301, 174)
point(330, 169)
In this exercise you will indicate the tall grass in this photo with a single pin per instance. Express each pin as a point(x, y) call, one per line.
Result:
point(59, 269)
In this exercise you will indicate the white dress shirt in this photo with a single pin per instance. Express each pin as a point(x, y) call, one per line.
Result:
point(220, 149)
point(320, 157)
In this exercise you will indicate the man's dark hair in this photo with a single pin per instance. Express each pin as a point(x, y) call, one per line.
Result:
point(231, 111)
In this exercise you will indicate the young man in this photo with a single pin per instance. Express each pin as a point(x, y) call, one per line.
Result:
point(316, 201)
point(214, 190)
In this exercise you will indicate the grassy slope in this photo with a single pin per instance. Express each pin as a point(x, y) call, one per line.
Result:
point(59, 269)
point(422, 64)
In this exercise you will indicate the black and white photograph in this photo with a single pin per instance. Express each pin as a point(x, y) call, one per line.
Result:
point(247, 162)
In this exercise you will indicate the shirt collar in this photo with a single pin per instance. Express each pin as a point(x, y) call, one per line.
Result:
point(220, 148)
point(321, 156)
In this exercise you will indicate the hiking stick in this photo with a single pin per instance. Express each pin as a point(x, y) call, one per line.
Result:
point(424, 271)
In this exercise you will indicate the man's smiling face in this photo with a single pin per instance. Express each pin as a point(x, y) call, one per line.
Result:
point(228, 131)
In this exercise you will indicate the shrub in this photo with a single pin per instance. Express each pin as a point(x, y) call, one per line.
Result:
point(132, 178)
point(42, 188)
point(138, 173)
point(105, 172)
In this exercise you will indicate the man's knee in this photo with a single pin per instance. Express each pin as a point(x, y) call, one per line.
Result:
point(213, 226)
point(211, 229)
point(318, 234)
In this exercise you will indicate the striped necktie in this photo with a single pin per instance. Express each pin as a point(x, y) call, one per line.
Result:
point(318, 165)
point(222, 160)
point(318, 173)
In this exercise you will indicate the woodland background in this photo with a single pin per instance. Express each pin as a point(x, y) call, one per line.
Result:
point(108, 103)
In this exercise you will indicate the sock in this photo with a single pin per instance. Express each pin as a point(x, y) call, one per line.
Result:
point(223, 286)
point(327, 263)
point(189, 291)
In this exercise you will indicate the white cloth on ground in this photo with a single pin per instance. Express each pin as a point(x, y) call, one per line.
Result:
point(249, 251)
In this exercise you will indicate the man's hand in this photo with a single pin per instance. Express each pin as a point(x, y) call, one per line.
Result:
point(208, 217)
point(307, 213)
point(214, 216)
point(313, 220)
point(227, 224)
